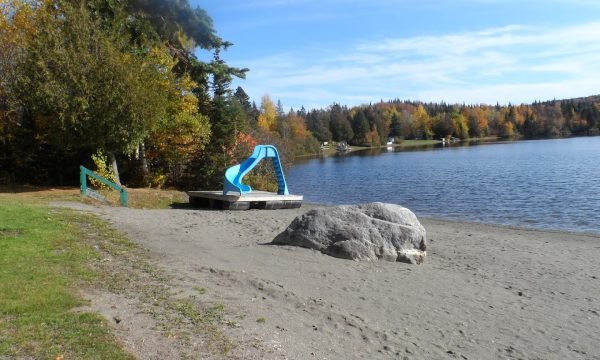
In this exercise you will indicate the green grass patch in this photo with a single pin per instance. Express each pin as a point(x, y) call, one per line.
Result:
point(142, 198)
point(148, 198)
point(417, 143)
point(38, 195)
point(332, 149)
point(42, 262)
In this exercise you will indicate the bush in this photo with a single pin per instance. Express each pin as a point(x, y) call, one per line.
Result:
point(103, 169)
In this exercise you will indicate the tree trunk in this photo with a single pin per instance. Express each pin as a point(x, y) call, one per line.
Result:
point(113, 163)
point(144, 161)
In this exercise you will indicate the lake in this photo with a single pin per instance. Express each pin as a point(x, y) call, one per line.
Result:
point(543, 184)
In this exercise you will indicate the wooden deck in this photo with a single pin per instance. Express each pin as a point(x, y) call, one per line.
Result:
point(254, 200)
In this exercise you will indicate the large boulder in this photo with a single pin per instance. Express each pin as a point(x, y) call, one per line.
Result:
point(359, 232)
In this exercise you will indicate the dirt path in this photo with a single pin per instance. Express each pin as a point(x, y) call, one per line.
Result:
point(484, 292)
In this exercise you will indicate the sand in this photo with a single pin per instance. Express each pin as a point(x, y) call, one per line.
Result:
point(483, 292)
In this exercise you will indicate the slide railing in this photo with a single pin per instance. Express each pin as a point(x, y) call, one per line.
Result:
point(85, 191)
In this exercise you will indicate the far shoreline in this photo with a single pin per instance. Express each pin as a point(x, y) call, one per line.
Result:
point(427, 144)
point(463, 222)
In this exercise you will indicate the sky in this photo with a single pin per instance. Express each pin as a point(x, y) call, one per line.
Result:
point(314, 53)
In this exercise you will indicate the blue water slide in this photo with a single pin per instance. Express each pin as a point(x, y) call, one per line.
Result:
point(235, 174)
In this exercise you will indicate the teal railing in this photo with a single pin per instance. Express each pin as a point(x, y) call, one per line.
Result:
point(85, 191)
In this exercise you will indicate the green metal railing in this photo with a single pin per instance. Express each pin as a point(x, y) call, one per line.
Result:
point(85, 191)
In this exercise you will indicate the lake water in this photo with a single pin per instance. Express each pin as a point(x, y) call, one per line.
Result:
point(547, 184)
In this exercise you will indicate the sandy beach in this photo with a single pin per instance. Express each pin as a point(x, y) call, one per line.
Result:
point(483, 292)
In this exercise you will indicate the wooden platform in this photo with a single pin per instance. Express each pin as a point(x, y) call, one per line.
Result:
point(254, 200)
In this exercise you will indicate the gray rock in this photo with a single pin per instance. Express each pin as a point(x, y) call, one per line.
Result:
point(359, 232)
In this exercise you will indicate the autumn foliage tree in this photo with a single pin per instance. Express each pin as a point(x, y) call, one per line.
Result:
point(267, 119)
point(16, 28)
point(422, 124)
point(119, 78)
point(82, 91)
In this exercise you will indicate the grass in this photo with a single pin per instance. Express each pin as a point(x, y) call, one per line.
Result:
point(42, 263)
point(138, 198)
point(47, 254)
point(38, 195)
point(149, 198)
point(332, 149)
point(416, 143)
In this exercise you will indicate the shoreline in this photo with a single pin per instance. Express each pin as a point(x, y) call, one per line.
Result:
point(473, 222)
point(483, 292)
point(458, 222)
point(404, 144)
point(417, 144)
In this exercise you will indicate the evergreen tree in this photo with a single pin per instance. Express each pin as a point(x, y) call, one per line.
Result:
point(341, 128)
point(280, 111)
point(243, 99)
point(396, 127)
point(361, 128)
point(318, 123)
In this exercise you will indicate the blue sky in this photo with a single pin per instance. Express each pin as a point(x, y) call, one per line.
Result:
point(313, 53)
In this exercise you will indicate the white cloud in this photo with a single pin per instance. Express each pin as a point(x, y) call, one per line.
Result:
point(508, 64)
point(509, 93)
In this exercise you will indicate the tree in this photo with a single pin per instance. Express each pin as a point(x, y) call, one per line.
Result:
point(530, 128)
point(379, 121)
point(442, 125)
point(17, 26)
point(421, 125)
point(396, 127)
point(172, 19)
point(318, 124)
point(177, 137)
point(553, 121)
point(361, 128)
point(460, 129)
point(341, 128)
point(267, 119)
point(120, 77)
point(280, 111)
point(298, 132)
point(244, 100)
point(477, 121)
point(514, 116)
point(82, 91)
point(506, 129)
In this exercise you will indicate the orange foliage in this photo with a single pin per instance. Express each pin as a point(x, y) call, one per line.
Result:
point(298, 128)
point(373, 138)
point(241, 148)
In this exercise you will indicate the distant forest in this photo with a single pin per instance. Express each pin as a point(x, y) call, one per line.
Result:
point(374, 124)
point(116, 86)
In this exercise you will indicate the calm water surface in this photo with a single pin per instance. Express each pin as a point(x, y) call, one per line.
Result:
point(548, 184)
